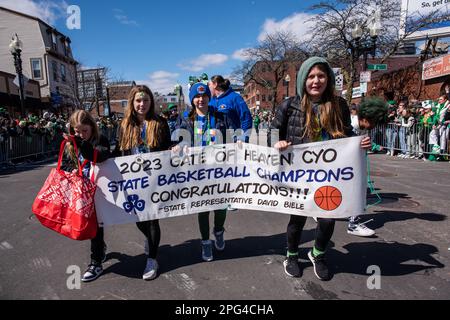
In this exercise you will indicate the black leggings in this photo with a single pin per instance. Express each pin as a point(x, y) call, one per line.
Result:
point(152, 232)
point(324, 232)
point(97, 247)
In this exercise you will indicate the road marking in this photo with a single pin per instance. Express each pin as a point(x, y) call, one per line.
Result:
point(41, 263)
point(50, 294)
point(183, 282)
point(5, 246)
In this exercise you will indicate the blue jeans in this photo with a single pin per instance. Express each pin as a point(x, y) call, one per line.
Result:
point(402, 138)
point(391, 135)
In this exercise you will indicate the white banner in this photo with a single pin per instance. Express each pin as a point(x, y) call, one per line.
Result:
point(326, 180)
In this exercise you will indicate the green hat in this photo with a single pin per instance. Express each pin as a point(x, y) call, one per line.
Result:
point(306, 68)
point(392, 102)
point(172, 107)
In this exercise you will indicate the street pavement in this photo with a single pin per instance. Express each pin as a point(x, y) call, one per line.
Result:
point(411, 249)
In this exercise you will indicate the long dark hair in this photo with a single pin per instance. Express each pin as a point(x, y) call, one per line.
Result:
point(330, 111)
point(222, 84)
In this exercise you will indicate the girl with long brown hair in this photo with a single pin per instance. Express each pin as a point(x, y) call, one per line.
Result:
point(143, 131)
point(315, 114)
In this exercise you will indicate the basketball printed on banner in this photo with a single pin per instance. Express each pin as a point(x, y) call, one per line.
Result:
point(328, 198)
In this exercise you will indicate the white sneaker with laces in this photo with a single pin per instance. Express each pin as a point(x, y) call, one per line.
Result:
point(92, 273)
point(360, 230)
point(151, 270)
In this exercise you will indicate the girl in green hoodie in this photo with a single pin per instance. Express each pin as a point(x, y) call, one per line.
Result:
point(315, 114)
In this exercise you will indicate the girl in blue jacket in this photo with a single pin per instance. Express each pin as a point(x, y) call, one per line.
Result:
point(225, 100)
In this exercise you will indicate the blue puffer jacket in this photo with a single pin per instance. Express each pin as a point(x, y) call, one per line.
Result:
point(234, 106)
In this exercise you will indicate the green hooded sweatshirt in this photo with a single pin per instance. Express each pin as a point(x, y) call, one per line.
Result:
point(306, 68)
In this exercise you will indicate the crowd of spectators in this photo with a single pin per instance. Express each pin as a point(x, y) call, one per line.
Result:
point(48, 126)
point(20, 134)
point(416, 129)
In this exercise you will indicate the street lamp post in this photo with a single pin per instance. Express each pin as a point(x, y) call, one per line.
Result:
point(258, 102)
point(288, 80)
point(179, 93)
point(364, 48)
point(15, 48)
point(108, 100)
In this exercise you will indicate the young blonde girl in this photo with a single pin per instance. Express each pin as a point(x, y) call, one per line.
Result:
point(83, 131)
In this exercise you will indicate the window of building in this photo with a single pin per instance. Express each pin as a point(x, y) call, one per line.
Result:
point(270, 98)
point(264, 98)
point(173, 100)
point(54, 43)
point(55, 70)
point(124, 103)
point(63, 73)
point(36, 68)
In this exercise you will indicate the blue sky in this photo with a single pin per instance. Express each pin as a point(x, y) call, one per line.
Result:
point(162, 42)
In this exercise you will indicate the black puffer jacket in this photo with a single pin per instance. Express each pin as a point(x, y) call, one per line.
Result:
point(290, 120)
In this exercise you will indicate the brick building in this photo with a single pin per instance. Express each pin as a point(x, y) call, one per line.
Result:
point(404, 80)
point(261, 98)
point(118, 96)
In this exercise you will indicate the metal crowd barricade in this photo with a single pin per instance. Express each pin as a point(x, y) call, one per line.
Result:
point(413, 142)
point(14, 149)
point(4, 143)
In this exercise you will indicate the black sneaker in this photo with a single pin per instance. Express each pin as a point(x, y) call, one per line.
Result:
point(292, 267)
point(92, 273)
point(320, 266)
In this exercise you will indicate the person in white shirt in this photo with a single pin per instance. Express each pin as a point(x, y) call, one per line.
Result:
point(373, 111)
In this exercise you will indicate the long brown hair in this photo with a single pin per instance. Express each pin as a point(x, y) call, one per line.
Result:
point(222, 84)
point(81, 117)
point(130, 133)
point(330, 111)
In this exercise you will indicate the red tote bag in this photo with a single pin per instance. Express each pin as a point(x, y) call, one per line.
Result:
point(65, 203)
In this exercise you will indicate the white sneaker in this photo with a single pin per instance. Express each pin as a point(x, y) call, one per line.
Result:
point(151, 270)
point(360, 230)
